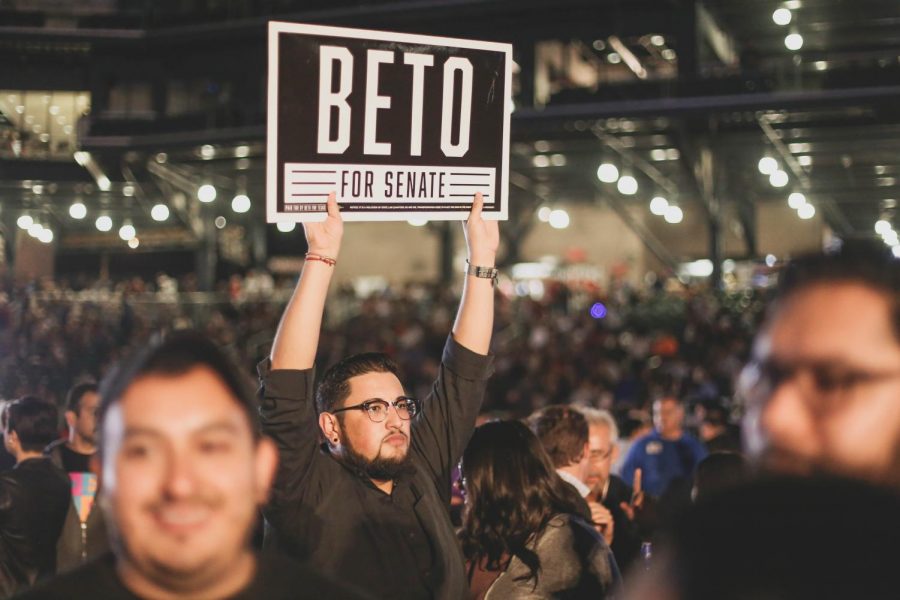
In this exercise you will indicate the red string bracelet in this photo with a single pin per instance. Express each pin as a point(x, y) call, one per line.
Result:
point(325, 259)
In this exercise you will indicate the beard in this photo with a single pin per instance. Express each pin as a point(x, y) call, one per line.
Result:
point(380, 468)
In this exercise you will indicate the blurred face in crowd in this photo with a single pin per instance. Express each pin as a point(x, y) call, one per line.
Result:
point(183, 476)
point(602, 455)
point(668, 416)
point(824, 388)
point(382, 447)
point(84, 422)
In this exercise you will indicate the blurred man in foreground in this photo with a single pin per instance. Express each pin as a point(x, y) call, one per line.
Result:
point(184, 471)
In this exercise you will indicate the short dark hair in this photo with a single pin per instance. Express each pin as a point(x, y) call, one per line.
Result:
point(864, 262)
point(173, 355)
point(563, 431)
point(335, 386)
point(73, 398)
point(35, 422)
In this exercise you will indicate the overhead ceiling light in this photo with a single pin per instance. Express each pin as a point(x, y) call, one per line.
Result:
point(657, 40)
point(242, 151)
point(559, 219)
point(658, 206)
point(779, 178)
point(627, 185)
point(767, 165)
point(658, 154)
point(613, 58)
point(240, 203)
point(159, 212)
point(35, 229)
point(673, 215)
point(103, 183)
point(206, 193)
point(558, 160)
point(24, 222)
point(207, 151)
point(672, 154)
point(128, 190)
point(782, 16)
point(127, 231)
point(220, 222)
point(805, 160)
point(78, 210)
point(542, 146)
point(668, 54)
point(103, 223)
point(882, 226)
point(793, 41)
point(797, 148)
point(46, 236)
point(896, 251)
point(417, 221)
point(543, 213)
point(807, 211)
point(134, 243)
point(607, 173)
point(820, 65)
point(285, 227)
point(540, 161)
point(796, 200)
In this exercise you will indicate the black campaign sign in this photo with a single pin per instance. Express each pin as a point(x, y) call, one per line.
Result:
point(398, 125)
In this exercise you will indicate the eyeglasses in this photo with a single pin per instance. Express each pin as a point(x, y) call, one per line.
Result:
point(823, 386)
point(377, 409)
point(600, 454)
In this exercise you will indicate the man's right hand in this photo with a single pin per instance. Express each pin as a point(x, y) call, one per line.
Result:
point(324, 237)
point(603, 521)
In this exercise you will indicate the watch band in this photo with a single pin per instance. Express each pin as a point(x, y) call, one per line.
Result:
point(482, 272)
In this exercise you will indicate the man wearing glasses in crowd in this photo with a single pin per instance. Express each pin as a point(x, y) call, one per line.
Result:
point(370, 505)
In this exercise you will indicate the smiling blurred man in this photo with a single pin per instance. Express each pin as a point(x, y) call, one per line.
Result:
point(184, 472)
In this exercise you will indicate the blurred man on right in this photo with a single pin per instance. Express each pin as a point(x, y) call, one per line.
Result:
point(823, 385)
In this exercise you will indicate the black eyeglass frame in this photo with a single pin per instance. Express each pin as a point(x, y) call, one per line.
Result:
point(412, 408)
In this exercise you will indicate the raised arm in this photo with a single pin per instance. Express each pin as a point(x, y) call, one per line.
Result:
point(475, 318)
point(297, 338)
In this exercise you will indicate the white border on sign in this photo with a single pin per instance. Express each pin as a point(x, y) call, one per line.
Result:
point(279, 27)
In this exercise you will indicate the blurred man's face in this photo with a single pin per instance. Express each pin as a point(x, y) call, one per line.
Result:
point(85, 421)
point(668, 416)
point(381, 448)
point(183, 477)
point(824, 388)
point(602, 455)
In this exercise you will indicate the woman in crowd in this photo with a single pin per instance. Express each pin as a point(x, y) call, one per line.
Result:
point(520, 535)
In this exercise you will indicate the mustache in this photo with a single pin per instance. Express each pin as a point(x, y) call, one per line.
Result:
point(198, 500)
point(396, 432)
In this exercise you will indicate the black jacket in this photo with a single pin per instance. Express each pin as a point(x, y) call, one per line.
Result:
point(394, 546)
point(627, 539)
point(34, 499)
point(79, 542)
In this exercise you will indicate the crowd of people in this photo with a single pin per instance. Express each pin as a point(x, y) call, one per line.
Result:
point(593, 453)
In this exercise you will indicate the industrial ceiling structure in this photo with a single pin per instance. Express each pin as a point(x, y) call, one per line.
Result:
point(131, 110)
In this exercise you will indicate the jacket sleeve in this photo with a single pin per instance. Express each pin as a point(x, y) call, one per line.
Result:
point(442, 429)
point(288, 416)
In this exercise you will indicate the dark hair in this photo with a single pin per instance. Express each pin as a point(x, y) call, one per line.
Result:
point(512, 492)
point(715, 416)
point(173, 355)
point(720, 471)
point(563, 431)
point(335, 387)
point(863, 262)
point(35, 421)
point(73, 398)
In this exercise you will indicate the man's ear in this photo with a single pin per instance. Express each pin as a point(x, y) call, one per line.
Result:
point(330, 427)
point(71, 419)
point(266, 465)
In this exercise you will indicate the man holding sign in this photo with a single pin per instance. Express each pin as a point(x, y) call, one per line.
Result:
point(370, 504)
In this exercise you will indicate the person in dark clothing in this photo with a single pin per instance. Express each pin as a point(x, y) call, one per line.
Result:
point(521, 534)
point(371, 504)
point(611, 491)
point(185, 470)
point(717, 433)
point(84, 533)
point(718, 472)
point(34, 497)
point(563, 432)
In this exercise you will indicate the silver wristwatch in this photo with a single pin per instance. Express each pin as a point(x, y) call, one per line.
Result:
point(482, 272)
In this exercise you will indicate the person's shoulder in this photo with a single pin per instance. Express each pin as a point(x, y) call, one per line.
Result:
point(282, 578)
